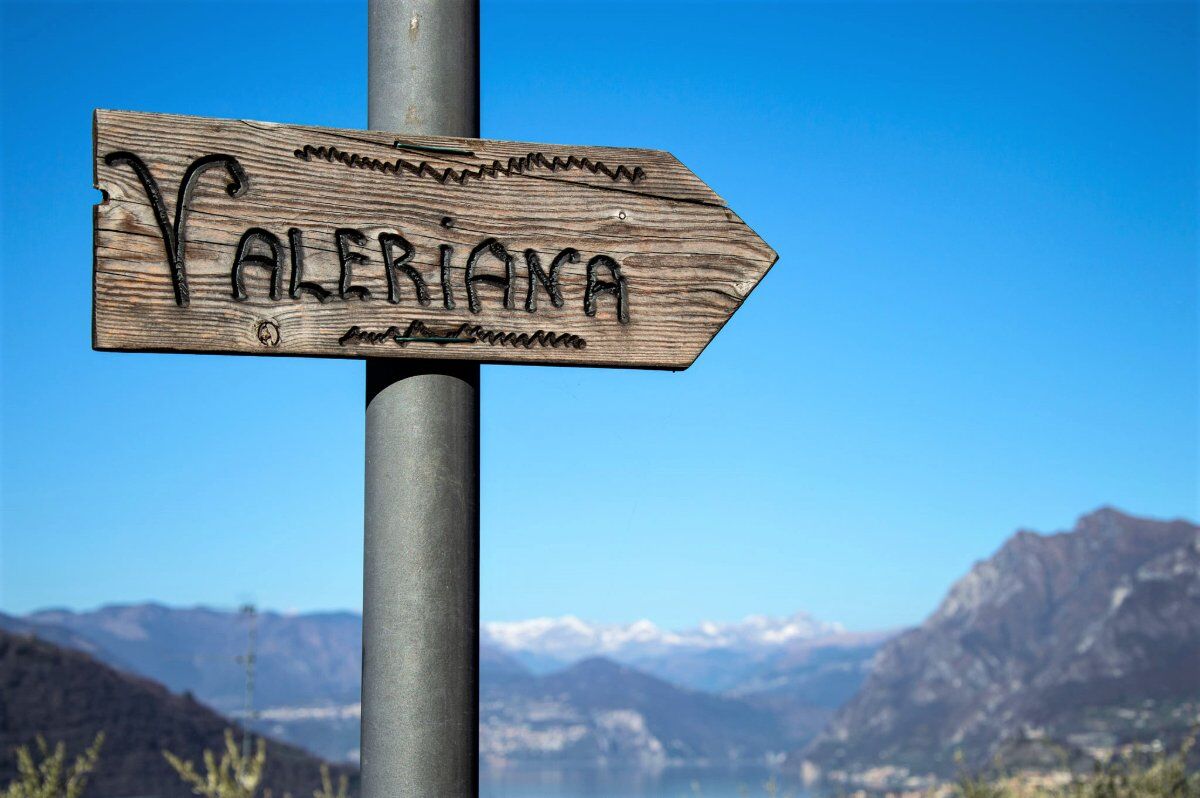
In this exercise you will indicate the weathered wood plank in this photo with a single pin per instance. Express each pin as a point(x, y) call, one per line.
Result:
point(499, 251)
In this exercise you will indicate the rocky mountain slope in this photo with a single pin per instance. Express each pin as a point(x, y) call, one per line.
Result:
point(600, 712)
point(301, 658)
point(1088, 638)
point(68, 696)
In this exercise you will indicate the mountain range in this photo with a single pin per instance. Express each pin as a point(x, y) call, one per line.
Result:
point(551, 689)
point(545, 644)
point(600, 712)
point(312, 657)
point(1058, 647)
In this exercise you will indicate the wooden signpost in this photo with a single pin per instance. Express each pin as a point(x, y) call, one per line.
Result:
point(231, 236)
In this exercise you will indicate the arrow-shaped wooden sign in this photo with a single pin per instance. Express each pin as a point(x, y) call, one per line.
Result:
point(230, 236)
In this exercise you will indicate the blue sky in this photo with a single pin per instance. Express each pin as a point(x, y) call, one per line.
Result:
point(984, 315)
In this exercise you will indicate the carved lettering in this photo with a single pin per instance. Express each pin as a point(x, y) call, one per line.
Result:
point(344, 236)
point(261, 248)
point(245, 255)
point(299, 285)
point(446, 253)
point(174, 234)
point(549, 281)
point(393, 266)
point(596, 286)
point(497, 250)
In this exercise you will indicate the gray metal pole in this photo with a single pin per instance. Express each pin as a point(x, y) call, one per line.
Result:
point(420, 716)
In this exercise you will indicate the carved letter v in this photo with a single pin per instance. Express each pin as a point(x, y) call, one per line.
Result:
point(174, 235)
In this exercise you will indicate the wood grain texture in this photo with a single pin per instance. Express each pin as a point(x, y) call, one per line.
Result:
point(651, 261)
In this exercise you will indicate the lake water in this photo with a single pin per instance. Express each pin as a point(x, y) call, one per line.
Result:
point(608, 783)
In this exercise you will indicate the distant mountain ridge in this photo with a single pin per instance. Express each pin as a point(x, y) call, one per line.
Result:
point(600, 712)
point(1072, 644)
point(68, 696)
point(310, 657)
point(316, 657)
point(569, 639)
point(309, 666)
point(1087, 639)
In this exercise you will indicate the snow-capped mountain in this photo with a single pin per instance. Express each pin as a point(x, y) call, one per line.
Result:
point(542, 679)
point(549, 642)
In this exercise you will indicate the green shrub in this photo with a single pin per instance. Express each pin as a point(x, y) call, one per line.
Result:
point(51, 778)
point(232, 776)
point(1138, 774)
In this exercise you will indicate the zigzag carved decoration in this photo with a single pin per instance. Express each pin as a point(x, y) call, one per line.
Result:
point(514, 166)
